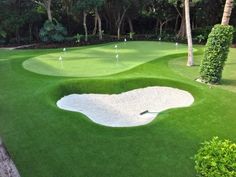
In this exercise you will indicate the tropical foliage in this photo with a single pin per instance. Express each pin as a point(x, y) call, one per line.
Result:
point(216, 158)
point(162, 18)
point(52, 31)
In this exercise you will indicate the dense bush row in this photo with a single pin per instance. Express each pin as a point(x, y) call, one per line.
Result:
point(216, 53)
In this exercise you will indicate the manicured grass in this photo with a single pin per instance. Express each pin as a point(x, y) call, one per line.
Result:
point(100, 60)
point(47, 142)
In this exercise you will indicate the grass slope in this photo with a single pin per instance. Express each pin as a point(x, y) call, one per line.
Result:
point(47, 142)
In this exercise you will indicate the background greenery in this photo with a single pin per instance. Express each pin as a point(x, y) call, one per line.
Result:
point(21, 20)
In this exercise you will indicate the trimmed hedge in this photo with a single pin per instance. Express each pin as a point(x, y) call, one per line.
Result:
point(216, 53)
point(216, 158)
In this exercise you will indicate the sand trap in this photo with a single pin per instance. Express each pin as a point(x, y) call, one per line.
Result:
point(123, 110)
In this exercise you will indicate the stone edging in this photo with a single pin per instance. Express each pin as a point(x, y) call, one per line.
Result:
point(7, 166)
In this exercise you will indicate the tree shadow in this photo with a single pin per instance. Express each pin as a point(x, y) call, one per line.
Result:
point(228, 82)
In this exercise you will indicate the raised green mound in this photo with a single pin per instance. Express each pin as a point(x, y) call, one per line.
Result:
point(100, 60)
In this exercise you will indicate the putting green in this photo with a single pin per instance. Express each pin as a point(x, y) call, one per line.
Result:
point(100, 60)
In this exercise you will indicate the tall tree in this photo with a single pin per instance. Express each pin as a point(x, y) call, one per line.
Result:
point(227, 12)
point(96, 5)
point(87, 6)
point(116, 11)
point(17, 14)
point(120, 15)
point(182, 33)
point(187, 25)
point(162, 11)
point(85, 25)
point(46, 4)
point(179, 4)
point(190, 61)
point(99, 23)
point(84, 7)
point(134, 11)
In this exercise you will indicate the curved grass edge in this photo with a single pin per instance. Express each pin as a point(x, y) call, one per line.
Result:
point(109, 86)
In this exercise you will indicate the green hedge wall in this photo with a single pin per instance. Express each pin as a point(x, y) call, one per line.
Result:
point(216, 53)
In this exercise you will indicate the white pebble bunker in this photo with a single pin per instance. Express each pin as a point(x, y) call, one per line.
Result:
point(123, 110)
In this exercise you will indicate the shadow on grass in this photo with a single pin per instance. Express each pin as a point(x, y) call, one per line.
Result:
point(196, 65)
point(229, 82)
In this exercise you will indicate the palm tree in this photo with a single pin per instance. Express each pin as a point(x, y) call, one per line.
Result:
point(190, 61)
point(227, 12)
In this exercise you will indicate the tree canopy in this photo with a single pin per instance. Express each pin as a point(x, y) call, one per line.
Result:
point(21, 20)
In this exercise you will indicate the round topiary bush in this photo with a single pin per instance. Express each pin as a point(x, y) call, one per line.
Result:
point(216, 158)
point(216, 53)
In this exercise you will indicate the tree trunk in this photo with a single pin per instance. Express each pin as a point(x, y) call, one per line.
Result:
point(85, 26)
point(119, 21)
point(193, 23)
point(107, 26)
point(68, 23)
point(17, 36)
point(182, 30)
point(99, 23)
point(48, 8)
point(100, 27)
point(161, 28)
point(36, 33)
point(227, 12)
point(49, 14)
point(176, 22)
point(131, 28)
point(95, 24)
point(118, 32)
point(30, 33)
point(46, 4)
point(157, 26)
point(189, 34)
point(122, 27)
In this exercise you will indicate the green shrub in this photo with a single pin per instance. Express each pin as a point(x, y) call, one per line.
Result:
point(3, 33)
point(216, 53)
point(216, 158)
point(203, 32)
point(3, 36)
point(234, 38)
point(78, 37)
point(52, 32)
point(199, 39)
point(2, 41)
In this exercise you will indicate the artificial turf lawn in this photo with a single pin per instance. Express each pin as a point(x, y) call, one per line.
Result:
point(47, 142)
